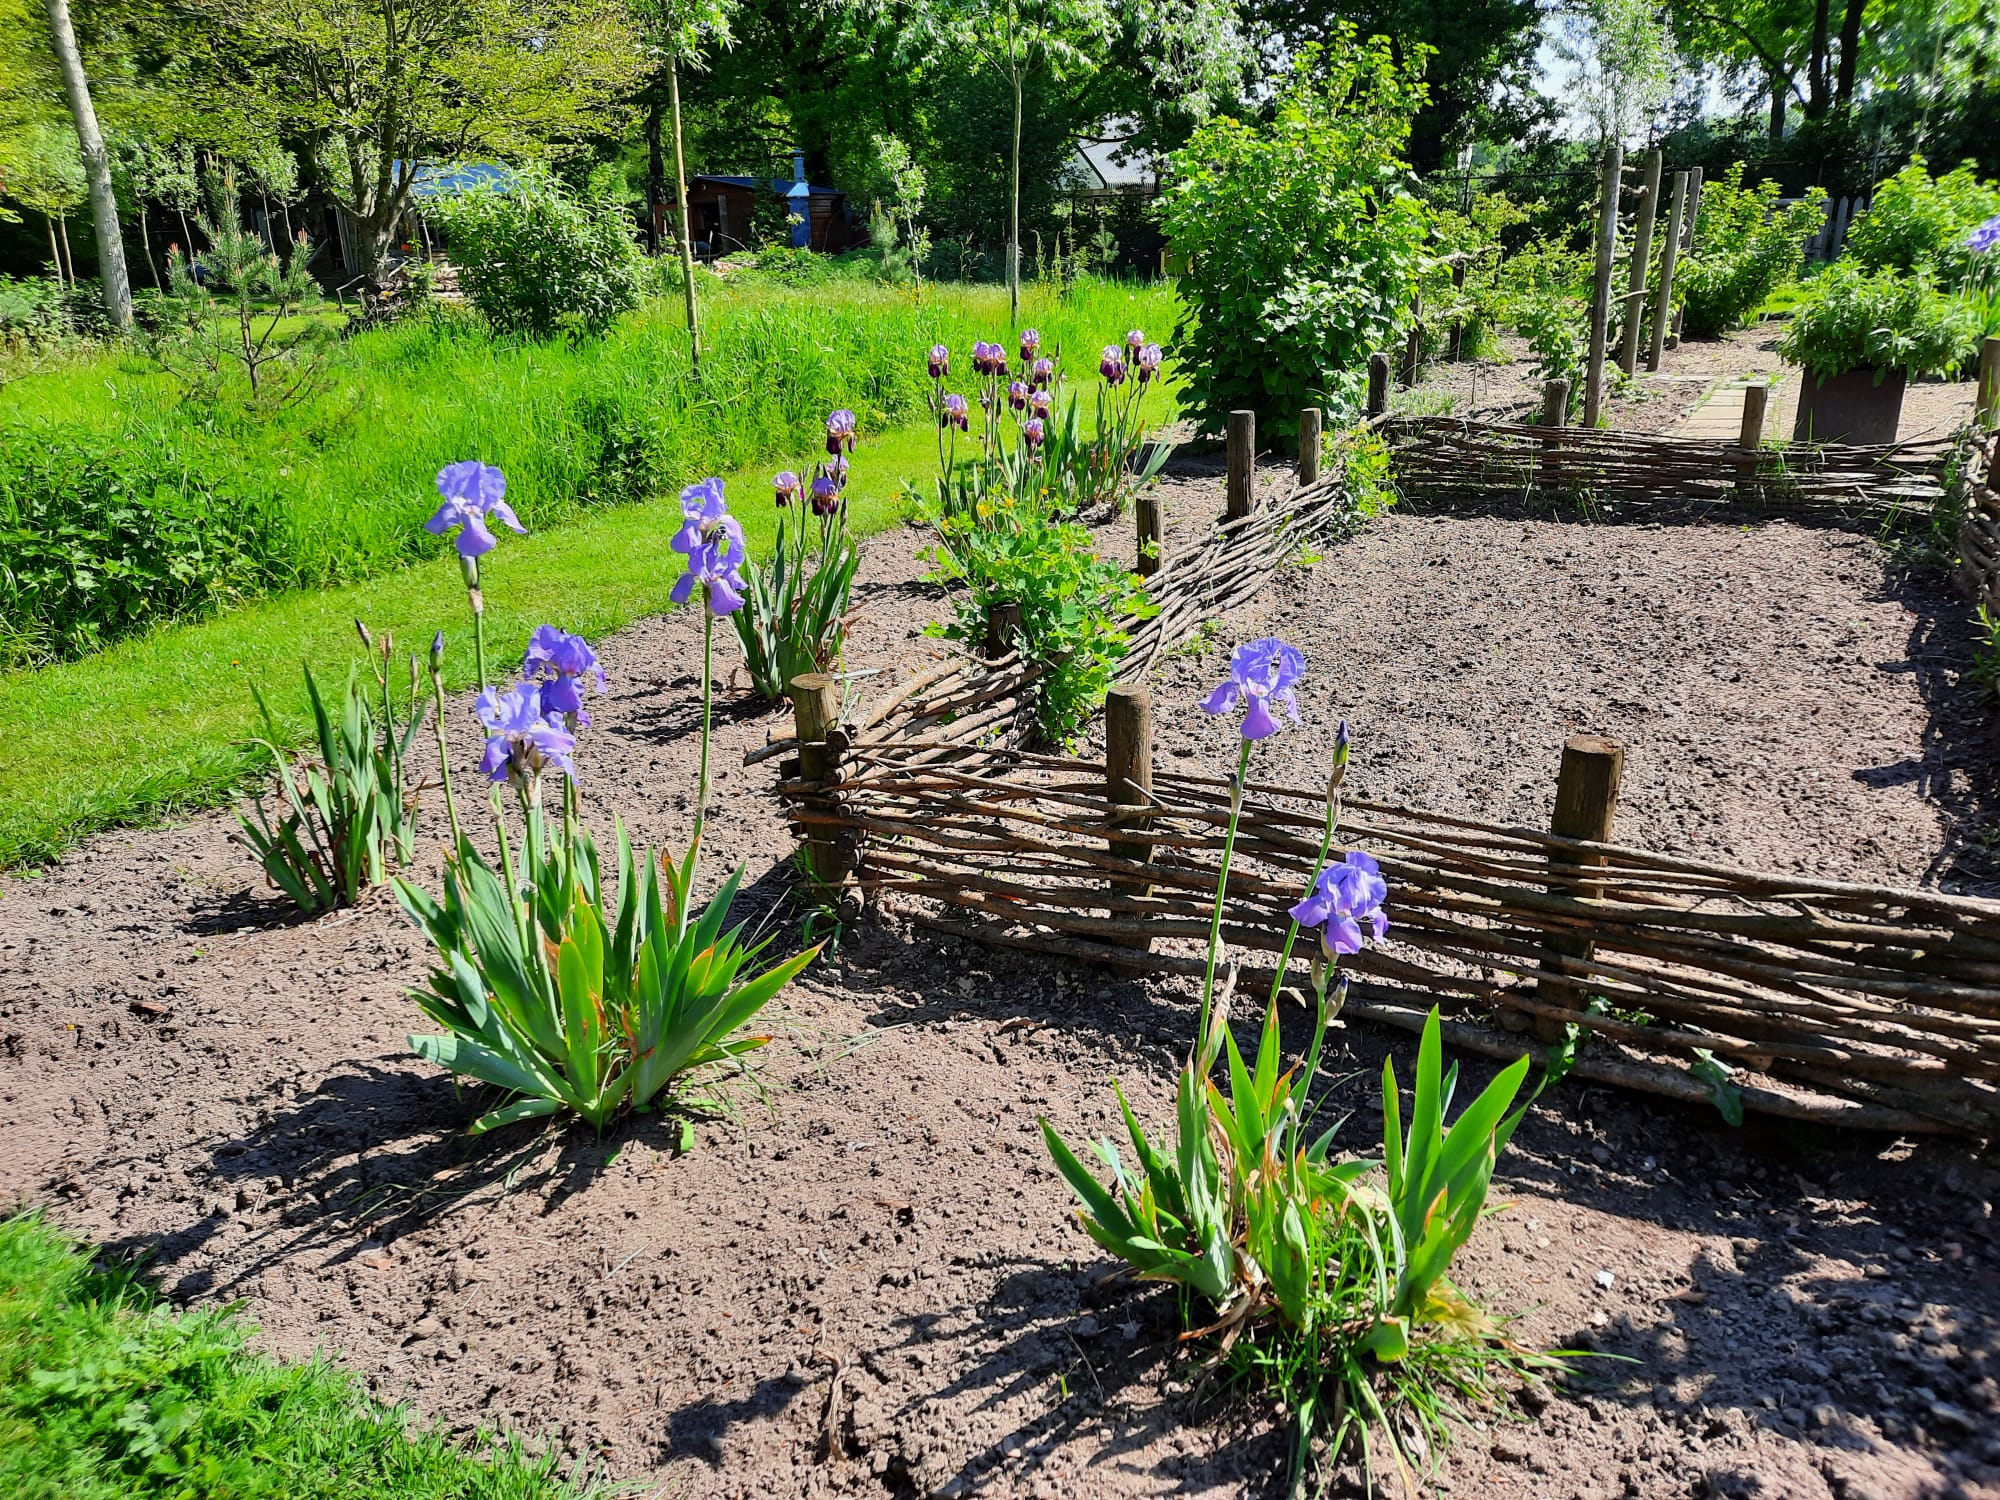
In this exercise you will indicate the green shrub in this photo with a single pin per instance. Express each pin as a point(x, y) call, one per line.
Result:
point(536, 260)
point(102, 538)
point(1917, 220)
point(1554, 326)
point(34, 313)
point(1302, 243)
point(1745, 245)
point(106, 1394)
point(1855, 319)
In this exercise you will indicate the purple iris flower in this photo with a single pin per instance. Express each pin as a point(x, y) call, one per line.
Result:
point(1044, 372)
point(1017, 395)
point(940, 361)
point(787, 485)
point(1112, 365)
point(1985, 237)
point(955, 413)
point(521, 743)
point(1149, 362)
point(713, 544)
point(472, 492)
point(1034, 430)
point(840, 431)
point(1342, 897)
point(1031, 340)
point(1135, 340)
point(1042, 403)
point(1260, 672)
point(825, 495)
point(837, 467)
point(989, 359)
point(560, 662)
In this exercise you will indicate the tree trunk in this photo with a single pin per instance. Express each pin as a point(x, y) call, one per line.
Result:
point(55, 250)
point(1816, 79)
point(1850, 52)
point(687, 229)
point(96, 167)
point(69, 260)
point(1014, 215)
point(1781, 95)
point(656, 182)
point(146, 246)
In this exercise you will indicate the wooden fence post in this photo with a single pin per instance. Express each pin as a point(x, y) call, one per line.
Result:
point(1555, 413)
point(1146, 509)
point(1663, 303)
point(1629, 337)
point(1694, 208)
point(1309, 445)
point(1413, 344)
point(1455, 348)
point(815, 719)
point(1242, 458)
point(1586, 804)
point(1750, 437)
point(1378, 384)
point(1988, 409)
point(1609, 181)
point(1128, 778)
point(1003, 623)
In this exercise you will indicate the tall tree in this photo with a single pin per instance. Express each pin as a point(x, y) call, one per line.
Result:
point(379, 87)
point(96, 168)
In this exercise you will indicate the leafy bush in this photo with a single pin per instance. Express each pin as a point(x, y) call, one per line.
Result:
point(793, 265)
point(1554, 326)
point(1915, 220)
point(1745, 245)
point(100, 539)
point(353, 810)
point(1303, 245)
point(34, 313)
point(1854, 319)
point(1070, 601)
point(107, 1394)
point(537, 261)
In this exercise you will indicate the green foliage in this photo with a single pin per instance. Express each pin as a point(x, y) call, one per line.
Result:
point(106, 1394)
point(347, 820)
point(572, 998)
point(1917, 220)
point(1854, 319)
point(538, 261)
point(100, 539)
point(1985, 669)
point(34, 314)
point(1745, 245)
point(794, 614)
point(1302, 241)
point(1070, 602)
point(1554, 327)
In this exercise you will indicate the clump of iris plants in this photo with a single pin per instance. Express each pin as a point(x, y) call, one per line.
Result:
point(564, 986)
point(1323, 1277)
point(794, 615)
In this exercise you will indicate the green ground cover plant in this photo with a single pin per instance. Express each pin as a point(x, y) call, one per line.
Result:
point(337, 482)
point(106, 1394)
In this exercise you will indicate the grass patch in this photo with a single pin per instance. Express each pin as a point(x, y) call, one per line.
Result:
point(106, 1394)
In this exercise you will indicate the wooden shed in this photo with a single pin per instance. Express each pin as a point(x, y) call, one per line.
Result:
point(721, 209)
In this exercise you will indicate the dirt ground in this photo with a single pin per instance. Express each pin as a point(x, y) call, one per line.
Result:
point(866, 1280)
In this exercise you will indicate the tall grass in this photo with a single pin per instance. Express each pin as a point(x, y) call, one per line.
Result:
point(347, 476)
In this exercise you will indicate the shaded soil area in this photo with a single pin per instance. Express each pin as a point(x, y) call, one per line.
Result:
point(864, 1278)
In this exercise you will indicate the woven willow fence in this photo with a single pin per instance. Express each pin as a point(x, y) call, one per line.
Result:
point(1862, 1005)
point(1979, 534)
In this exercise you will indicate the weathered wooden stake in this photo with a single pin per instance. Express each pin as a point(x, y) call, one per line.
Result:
point(1750, 437)
point(1989, 383)
point(1146, 510)
point(1128, 777)
point(1663, 303)
point(1586, 804)
point(1694, 209)
point(1600, 288)
point(815, 719)
point(1003, 623)
point(1378, 384)
point(1630, 337)
point(1413, 344)
point(1309, 445)
point(1455, 349)
point(1242, 457)
point(1555, 413)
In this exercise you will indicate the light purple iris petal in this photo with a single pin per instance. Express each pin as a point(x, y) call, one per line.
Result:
point(1260, 670)
point(1342, 934)
point(1257, 721)
point(1985, 237)
point(1342, 897)
point(472, 492)
point(1221, 700)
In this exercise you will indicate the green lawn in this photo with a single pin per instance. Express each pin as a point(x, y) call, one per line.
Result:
point(156, 724)
point(105, 1394)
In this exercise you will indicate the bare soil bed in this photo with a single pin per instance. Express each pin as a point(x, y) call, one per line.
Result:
point(868, 1281)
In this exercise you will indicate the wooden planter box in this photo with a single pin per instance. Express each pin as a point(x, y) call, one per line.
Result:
point(1849, 408)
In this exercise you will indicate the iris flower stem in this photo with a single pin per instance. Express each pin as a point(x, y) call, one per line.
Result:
point(707, 697)
point(444, 762)
point(1292, 932)
point(1221, 896)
